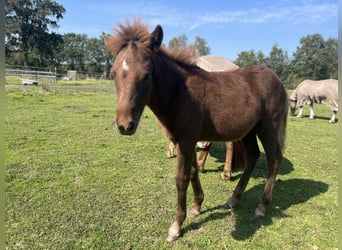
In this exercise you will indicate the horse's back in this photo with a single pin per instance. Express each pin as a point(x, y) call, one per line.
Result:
point(321, 91)
point(238, 100)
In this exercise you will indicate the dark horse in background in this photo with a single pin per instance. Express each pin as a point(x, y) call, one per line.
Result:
point(196, 105)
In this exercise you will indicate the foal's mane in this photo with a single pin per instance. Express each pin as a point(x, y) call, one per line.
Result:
point(135, 33)
point(138, 35)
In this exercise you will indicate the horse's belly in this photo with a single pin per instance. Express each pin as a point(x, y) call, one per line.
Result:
point(226, 129)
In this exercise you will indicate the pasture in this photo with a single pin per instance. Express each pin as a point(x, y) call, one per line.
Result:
point(72, 182)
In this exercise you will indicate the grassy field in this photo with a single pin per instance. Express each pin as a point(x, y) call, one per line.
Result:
point(72, 182)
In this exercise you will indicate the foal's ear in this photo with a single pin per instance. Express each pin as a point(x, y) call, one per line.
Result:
point(108, 42)
point(156, 38)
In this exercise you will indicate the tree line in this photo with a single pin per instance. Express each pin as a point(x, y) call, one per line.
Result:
point(315, 58)
point(30, 41)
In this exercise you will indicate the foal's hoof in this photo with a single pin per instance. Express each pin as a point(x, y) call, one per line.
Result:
point(170, 155)
point(201, 170)
point(224, 176)
point(260, 211)
point(173, 237)
point(231, 203)
point(194, 212)
point(174, 232)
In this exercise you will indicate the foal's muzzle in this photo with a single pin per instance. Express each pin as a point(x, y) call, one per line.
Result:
point(128, 129)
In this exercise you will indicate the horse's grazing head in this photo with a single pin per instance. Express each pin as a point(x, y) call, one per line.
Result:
point(293, 104)
point(132, 47)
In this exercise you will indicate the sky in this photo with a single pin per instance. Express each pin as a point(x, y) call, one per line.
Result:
point(229, 27)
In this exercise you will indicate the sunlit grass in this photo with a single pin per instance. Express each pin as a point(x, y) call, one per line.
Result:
point(72, 182)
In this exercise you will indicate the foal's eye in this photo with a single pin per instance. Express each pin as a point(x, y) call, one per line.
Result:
point(147, 76)
point(113, 74)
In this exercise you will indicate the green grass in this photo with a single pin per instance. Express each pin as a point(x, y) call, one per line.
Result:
point(72, 182)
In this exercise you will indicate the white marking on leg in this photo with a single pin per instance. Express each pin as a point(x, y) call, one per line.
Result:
point(174, 232)
point(312, 115)
point(332, 120)
point(300, 112)
point(203, 144)
point(125, 65)
point(194, 212)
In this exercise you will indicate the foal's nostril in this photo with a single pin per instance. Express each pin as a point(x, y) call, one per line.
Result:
point(130, 126)
point(121, 128)
point(125, 130)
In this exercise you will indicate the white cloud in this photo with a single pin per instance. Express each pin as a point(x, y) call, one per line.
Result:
point(295, 14)
point(291, 12)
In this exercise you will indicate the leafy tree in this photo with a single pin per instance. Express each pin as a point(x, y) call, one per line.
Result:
point(73, 56)
point(178, 43)
point(201, 47)
point(108, 57)
point(85, 55)
point(248, 58)
point(279, 62)
point(98, 58)
point(94, 55)
point(28, 40)
point(330, 57)
point(277, 59)
point(315, 58)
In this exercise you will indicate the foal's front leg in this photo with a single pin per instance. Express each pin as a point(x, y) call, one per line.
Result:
point(186, 171)
point(197, 188)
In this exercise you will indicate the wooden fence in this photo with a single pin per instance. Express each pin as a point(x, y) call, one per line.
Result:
point(33, 76)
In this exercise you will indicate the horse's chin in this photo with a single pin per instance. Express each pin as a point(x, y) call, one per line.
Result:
point(127, 132)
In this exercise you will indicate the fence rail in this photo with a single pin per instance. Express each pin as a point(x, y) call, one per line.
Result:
point(24, 75)
point(38, 75)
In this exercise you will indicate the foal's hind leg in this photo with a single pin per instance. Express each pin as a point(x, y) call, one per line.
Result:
point(203, 157)
point(225, 174)
point(252, 154)
point(274, 157)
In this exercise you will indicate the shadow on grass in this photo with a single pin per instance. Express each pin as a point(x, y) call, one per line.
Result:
point(316, 117)
point(285, 194)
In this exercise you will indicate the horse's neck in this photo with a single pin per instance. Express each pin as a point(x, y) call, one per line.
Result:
point(169, 80)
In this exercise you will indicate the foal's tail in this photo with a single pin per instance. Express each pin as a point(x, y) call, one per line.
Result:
point(282, 126)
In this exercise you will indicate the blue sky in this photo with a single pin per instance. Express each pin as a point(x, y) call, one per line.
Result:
point(229, 27)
